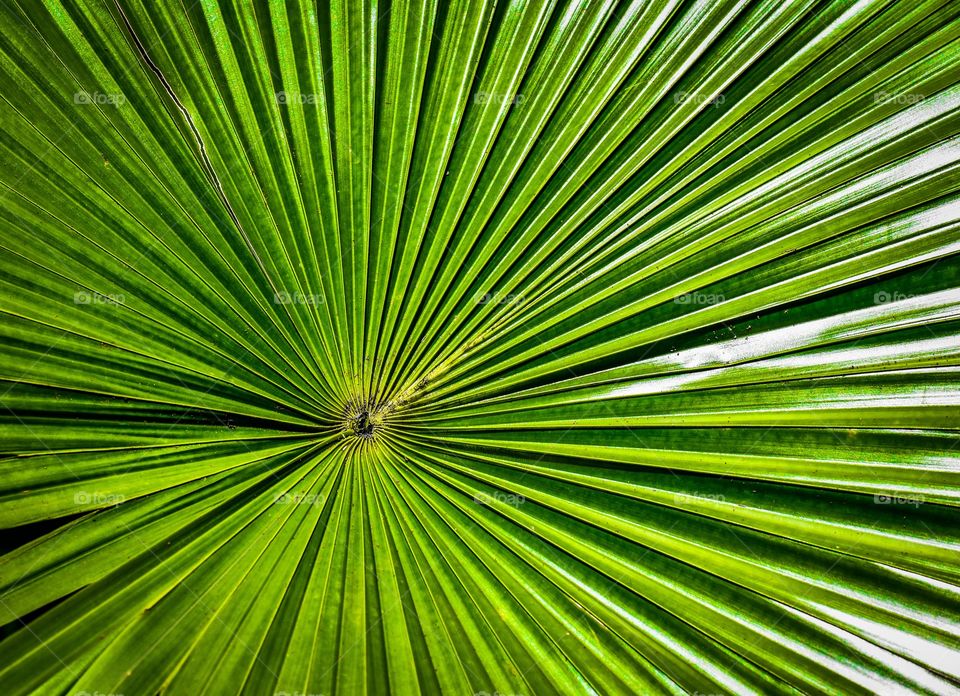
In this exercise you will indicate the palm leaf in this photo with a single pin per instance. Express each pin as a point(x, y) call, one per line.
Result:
point(474, 347)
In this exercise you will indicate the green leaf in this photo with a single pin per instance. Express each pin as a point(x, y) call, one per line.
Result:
point(479, 347)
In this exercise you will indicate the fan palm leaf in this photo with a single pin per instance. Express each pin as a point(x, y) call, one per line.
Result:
point(480, 347)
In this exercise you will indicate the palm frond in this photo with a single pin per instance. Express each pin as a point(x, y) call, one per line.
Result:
point(480, 347)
